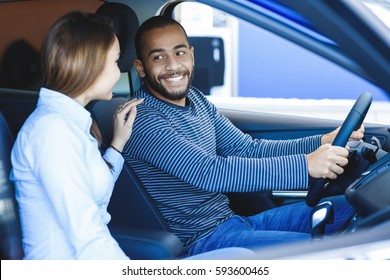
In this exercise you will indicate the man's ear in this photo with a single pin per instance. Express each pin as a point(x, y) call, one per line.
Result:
point(139, 67)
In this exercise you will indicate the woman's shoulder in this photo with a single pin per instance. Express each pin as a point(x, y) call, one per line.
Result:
point(40, 123)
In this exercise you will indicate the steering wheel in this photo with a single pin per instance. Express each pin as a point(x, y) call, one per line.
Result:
point(353, 121)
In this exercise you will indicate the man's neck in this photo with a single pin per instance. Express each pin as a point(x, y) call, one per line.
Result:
point(180, 102)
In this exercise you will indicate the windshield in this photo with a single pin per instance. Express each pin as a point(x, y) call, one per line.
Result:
point(380, 8)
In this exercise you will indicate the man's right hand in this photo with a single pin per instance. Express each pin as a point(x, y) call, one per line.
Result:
point(327, 161)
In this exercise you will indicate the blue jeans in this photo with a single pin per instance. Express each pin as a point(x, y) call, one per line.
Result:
point(279, 225)
point(230, 253)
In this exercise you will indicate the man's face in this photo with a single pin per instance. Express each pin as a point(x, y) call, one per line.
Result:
point(167, 63)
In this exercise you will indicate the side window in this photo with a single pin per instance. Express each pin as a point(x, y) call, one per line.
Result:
point(264, 72)
point(122, 87)
point(212, 33)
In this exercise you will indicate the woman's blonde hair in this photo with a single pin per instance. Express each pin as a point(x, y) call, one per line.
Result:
point(74, 52)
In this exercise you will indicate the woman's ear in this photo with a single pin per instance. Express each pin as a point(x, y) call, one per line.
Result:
point(139, 67)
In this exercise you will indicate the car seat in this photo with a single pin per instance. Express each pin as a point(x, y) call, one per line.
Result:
point(210, 64)
point(10, 232)
point(125, 22)
point(136, 223)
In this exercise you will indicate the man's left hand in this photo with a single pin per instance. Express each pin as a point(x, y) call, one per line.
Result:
point(356, 135)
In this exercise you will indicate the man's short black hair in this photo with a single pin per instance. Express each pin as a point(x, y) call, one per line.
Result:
point(150, 24)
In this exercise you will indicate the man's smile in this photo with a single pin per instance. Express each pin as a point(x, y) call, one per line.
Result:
point(175, 78)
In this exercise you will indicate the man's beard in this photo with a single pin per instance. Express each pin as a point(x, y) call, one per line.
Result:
point(159, 87)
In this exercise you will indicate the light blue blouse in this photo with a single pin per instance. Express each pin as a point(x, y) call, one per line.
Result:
point(63, 185)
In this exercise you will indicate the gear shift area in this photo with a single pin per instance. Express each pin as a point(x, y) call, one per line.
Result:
point(321, 215)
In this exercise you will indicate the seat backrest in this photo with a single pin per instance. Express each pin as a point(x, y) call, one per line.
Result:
point(130, 204)
point(209, 61)
point(10, 232)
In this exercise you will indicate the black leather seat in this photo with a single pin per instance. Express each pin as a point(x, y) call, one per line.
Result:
point(210, 64)
point(136, 223)
point(125, 23)
point(10, 232)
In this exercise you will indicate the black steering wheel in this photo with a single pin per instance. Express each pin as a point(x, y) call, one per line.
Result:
point(353, 121)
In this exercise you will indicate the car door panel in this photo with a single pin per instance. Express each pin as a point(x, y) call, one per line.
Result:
point(274, 126)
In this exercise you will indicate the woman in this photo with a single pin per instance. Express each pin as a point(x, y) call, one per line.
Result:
point(63, 184)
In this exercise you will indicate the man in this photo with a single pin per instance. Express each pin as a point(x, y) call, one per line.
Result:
point(188, 155)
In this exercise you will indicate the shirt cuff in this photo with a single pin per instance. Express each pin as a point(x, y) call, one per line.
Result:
point(115, 159)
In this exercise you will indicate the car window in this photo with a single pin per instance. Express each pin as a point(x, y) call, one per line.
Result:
point(264, 72)
point(380, 8)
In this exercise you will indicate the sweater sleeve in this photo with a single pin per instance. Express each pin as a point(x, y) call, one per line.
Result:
point(233, 142)
point(156, 142)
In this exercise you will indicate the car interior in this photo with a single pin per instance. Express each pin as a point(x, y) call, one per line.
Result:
point(143, 236)
point(146, 236)
point(162, 244)
point(10, 233)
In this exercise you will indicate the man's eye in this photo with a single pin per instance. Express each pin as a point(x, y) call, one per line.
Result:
point(180, 53)
point(158, 57)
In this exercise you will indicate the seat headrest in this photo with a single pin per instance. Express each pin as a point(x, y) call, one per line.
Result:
point(126, 24)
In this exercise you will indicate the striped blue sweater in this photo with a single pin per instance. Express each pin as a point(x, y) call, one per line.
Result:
point(188, 157)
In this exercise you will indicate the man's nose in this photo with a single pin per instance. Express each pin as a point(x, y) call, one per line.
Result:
point(172, 63)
